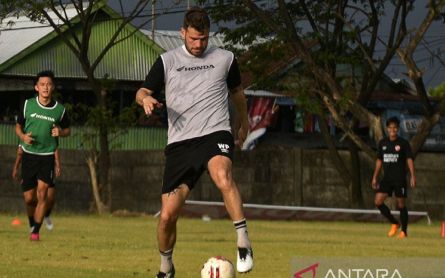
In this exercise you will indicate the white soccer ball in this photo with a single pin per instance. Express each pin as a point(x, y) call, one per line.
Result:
point(218, 267)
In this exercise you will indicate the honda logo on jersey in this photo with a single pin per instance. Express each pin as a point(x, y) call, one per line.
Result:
point(224, 148)
point(43, 117)
point(193, 68)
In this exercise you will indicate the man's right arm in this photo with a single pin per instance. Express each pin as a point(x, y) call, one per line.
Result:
point(25, 137)
point(18, 160)
point(154, 82)
point(378, 167)
point(57, 164)
point(144, 99)
point(141, 94)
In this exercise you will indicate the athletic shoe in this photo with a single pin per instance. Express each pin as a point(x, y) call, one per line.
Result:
point(393, 231)
point(48, 223)
point(402, 234)
point(244, 262)
point(171, 274)
point(34, 237)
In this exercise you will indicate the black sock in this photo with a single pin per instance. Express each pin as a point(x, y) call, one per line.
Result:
point(387, 213)
point(36, 229)
point(31, 221)
point(404, 219)
point(48, 212)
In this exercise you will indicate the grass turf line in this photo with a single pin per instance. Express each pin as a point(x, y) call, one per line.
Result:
point(108, 246)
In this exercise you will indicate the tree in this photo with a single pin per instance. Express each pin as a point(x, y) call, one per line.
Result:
point(438, 91)
point(76, 32)
point(346, 33)
point(432, 114)
point(9, 8)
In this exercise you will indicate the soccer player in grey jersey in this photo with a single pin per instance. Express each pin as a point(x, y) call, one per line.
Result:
point(198, 82)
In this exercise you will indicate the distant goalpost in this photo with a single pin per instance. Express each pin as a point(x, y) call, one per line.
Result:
point(201, 209)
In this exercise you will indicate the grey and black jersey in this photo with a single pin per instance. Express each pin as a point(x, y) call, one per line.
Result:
point(196, 90)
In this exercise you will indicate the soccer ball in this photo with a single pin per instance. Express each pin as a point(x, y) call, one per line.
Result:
point(218, 267)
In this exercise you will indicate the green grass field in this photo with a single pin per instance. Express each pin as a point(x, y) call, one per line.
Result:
point(109, 246)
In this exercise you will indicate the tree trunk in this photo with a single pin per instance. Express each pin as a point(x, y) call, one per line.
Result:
point(91, 162)
point(344, 125)
point(104, 153)
point(100, 182)
point(338, 162)
point(355, 187)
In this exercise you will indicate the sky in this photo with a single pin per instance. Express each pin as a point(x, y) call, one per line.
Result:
point(430, 53)
point(169, 12)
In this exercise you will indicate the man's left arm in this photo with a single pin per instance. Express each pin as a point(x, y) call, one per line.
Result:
point(412, 172)
point(239, 101)
point(60, 132)
point(410, 163)
point(63, 128)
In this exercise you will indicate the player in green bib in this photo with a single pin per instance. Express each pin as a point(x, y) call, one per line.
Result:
point(39, 125)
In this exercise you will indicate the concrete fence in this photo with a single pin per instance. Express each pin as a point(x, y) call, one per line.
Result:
point(280, 176)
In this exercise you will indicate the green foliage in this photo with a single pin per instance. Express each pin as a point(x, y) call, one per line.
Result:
point(267, 47)
point(349, 93)
point(302, 89)
point(117, 122)
point(9, 8)
point(438, 91)
point(94, 117)
point(13, 8)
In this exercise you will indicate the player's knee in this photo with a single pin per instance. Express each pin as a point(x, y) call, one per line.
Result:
point(221, 175)
point(167, 219)
point(30, 201)
point(50, 197)
point(41, 196)
point(226, 186)
point(51, 193)
point(223, 180)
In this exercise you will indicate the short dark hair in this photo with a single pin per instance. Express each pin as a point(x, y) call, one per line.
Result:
point(393, 120)
point(196, 18)
point(44, 73)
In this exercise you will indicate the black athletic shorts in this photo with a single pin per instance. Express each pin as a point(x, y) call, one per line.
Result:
point(187, 160)
point(398, 188)
point(37, 167)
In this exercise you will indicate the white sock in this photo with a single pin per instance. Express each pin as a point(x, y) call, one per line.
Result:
point(241, 231)
point(166, 260)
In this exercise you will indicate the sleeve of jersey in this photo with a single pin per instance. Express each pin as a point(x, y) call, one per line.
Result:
point(65, 120)
point(380, 151)
point(409, 152)
point(155, 78)
point(234, 76)
point(21, 115)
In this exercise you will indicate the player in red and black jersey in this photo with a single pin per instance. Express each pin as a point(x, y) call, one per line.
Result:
point(394, 156)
